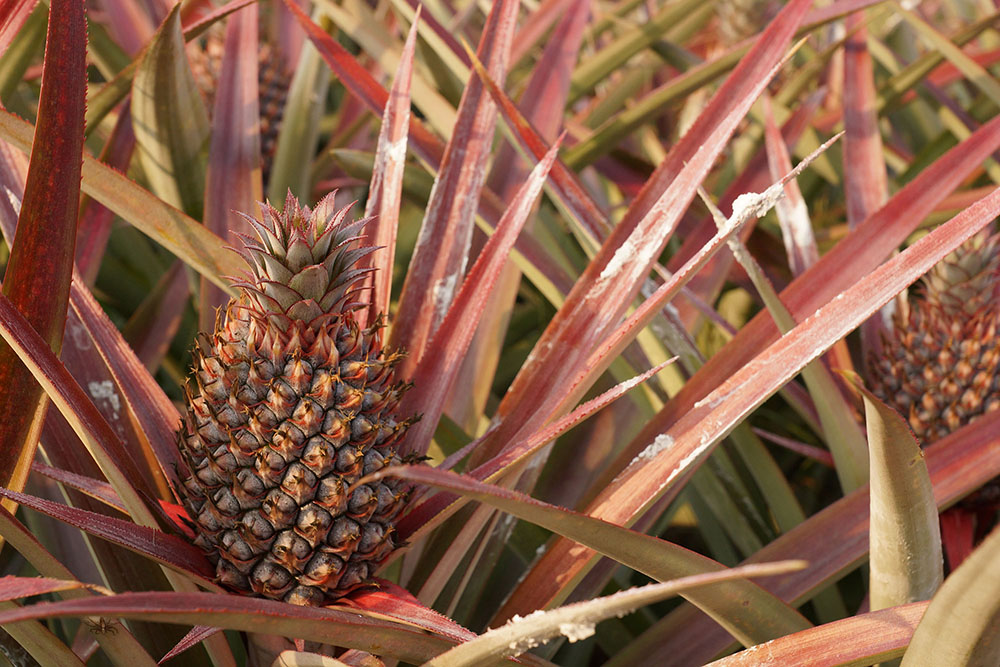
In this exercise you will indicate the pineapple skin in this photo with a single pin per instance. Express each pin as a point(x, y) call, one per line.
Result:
point(290, 403)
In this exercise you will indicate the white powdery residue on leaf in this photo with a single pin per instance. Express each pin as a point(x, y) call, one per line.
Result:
point(704, 444)
point(802, 233)
point(625, 253)
point(105, 391)
point(15, 201)
point(659, 444)
point(78, 335)
point(444, 294)
point(395, 151)
point(751, 205)
point(575, 632)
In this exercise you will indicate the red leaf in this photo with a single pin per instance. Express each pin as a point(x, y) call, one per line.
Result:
point(437, 370)
point(385, 191)
point(12, 588)
point(612, 280)
point(442, 250)
point(46, 231)
point(13, 14)
point(694, 436)
point(233, 181)
point(162, 547)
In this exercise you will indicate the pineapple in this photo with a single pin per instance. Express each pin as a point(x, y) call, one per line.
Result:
point(289, 404)
point(940, 367)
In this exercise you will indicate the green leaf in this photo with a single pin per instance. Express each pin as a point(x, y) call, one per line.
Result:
point(906, 561)
point(962, 624)
point(170, 121)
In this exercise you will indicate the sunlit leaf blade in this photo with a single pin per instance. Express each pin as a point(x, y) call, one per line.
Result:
point(613, 278)
point(962, 624)
point(740, 607)
point(835, 540)
point(168, 549)
point(385, 191)
point(905, 553)
point(442, 250)
point(576, 621)
point(170, 121)
point(436, 371)
point(857, 641)
point(394, 601)
point(12, 588)
point(338, 626)
point(46, 233)
point(185, 237)
point(233, 181)
point(695, 434)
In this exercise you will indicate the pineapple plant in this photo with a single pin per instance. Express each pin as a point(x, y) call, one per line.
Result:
point(545, 393)
point(290, 404)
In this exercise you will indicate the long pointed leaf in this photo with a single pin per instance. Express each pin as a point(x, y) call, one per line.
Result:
point(694, 435)
point(46, 232)
point(739, 606)
point(906, 560)
point(442, 251)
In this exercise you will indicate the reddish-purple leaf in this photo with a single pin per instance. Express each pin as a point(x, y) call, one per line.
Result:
point(153, 325)
point(385, 191)
point(865, 186)
point(678, 451)
point(129, 23)
point(95, 219)
point(46, 231)
point(233, 182)
point(119, 463)
point(162, 547)
point(150, 408)
point(862, 639)
point(439, 366)
point(198, 634)
point(12, 588)
point(428, 514)
point(442, 250)
point(859, 253)
point(707, 283)
point(94, 488)
point(612, 280)
point(534, 27)
point(13, 14)
point(337, 626)
point(395, 601)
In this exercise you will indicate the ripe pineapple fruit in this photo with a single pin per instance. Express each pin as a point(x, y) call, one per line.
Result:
point(290, 403)
point(940, 366)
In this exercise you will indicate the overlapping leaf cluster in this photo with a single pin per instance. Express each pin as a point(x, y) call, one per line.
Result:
point(629, 323)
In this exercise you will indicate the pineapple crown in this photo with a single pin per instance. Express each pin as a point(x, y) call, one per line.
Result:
point(967, 279)
point(304, 262)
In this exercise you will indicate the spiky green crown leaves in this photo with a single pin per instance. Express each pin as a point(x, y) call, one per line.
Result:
point(303, 262)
